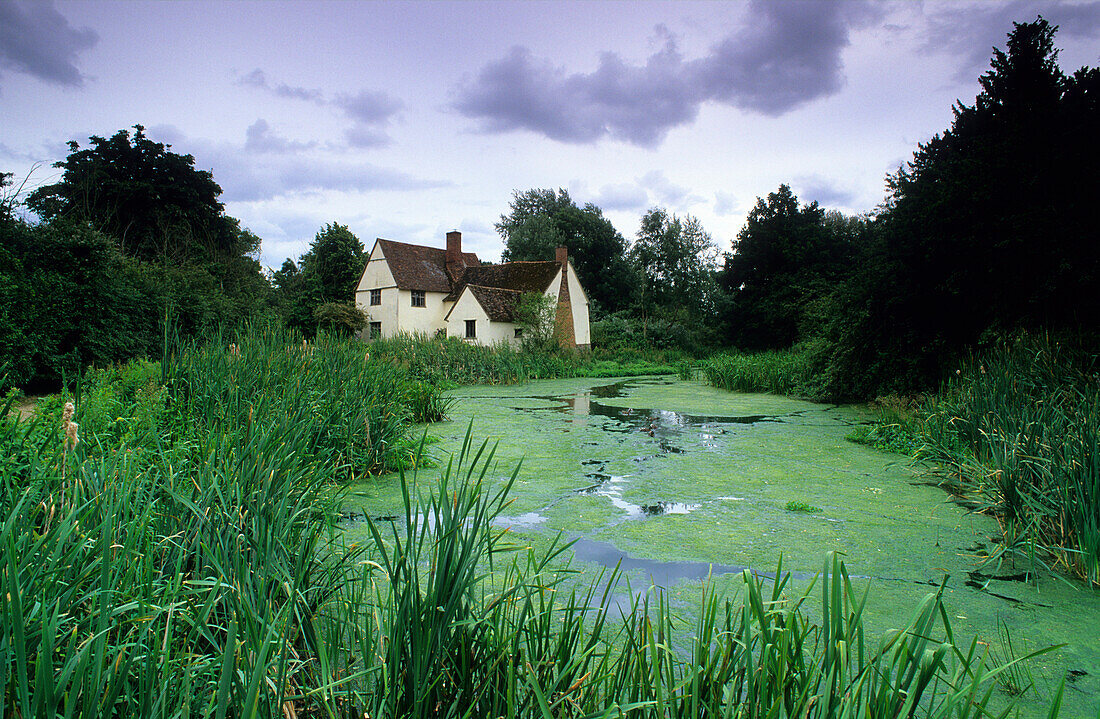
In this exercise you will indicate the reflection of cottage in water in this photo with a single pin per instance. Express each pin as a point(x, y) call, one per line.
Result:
point(413, 288)
point(581, 405)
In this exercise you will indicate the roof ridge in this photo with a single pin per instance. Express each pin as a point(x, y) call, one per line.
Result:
point(498, 289)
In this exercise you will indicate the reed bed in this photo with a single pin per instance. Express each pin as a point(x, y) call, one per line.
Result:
point(448, 361)
point(192, 567)
point(786, 372)
point(1017, 432)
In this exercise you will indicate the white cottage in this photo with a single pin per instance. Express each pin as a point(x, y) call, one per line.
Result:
point(413, 288)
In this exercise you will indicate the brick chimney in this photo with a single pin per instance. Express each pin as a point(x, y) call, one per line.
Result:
point(455, 263)
point(563, 314)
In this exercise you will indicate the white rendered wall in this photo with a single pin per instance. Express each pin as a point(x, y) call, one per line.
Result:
point(377, 275)
point(468, 308)
point(426, 319)
point(579, 301)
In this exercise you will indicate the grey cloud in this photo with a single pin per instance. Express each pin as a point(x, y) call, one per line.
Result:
point(971, 31)
point(787, 55)
point(637, 104)
point(724, 203)
point(621, 197)
point(813, 188)
point(367, 109)
point(257, 78)
point(667, 192)
point(260, 138)
point(248, 176)
point(370, 108)
point(37, 40)
point(363, 136)
point(11, 153)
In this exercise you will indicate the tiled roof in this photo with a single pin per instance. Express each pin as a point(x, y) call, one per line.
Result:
point(416, 267)
point(518, 276)
point(499, 304)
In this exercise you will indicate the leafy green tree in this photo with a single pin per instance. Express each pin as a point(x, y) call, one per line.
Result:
point(343, 318)
point(151, 200)
point(333, 264)
point(534, 315)
point(540, 220)
point(326, 273)
point(988, 230)
point(677, 260)
point(68, 298)
point(786, 257)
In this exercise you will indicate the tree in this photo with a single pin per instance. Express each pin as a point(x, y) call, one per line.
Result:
point(677, 260)
point(989, 229)
point(540, 220)
point(332, 265)
point(326, 273)
point(785, 258)
point(343, 318)
point(534, 315)
point(154, 202)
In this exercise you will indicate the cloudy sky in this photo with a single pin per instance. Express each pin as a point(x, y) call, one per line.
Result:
point(405, 120)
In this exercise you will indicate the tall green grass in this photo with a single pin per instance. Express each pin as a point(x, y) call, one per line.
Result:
point(787, 372)
point(194, 569)
point(448, 361)
point(1017, 431)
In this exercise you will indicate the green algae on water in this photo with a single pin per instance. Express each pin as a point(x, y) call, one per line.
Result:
point(681, 481)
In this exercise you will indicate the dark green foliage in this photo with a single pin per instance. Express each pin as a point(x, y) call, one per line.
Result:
point(154, 202)
point(540, 220)
point(343, 318)
point(786, 258)
point(68, 299)
point(326, 274)
point(332, 265)
point(133, 237)
point(671, 330)
point(988, 230)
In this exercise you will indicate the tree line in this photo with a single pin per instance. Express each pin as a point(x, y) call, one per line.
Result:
point(986, 232)
point(133, 242)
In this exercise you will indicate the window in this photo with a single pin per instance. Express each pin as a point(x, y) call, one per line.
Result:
point(471, 329)
point(418, 298)
point(375, 330)
point(376, 297)
point(519, 332)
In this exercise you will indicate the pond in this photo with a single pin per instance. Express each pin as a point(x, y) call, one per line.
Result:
point(679, 481)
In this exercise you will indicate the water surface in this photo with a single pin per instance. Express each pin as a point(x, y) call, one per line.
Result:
point(676, 482)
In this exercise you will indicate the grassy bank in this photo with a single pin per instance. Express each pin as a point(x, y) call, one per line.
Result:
point(1017, 432)
point(182, 560)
